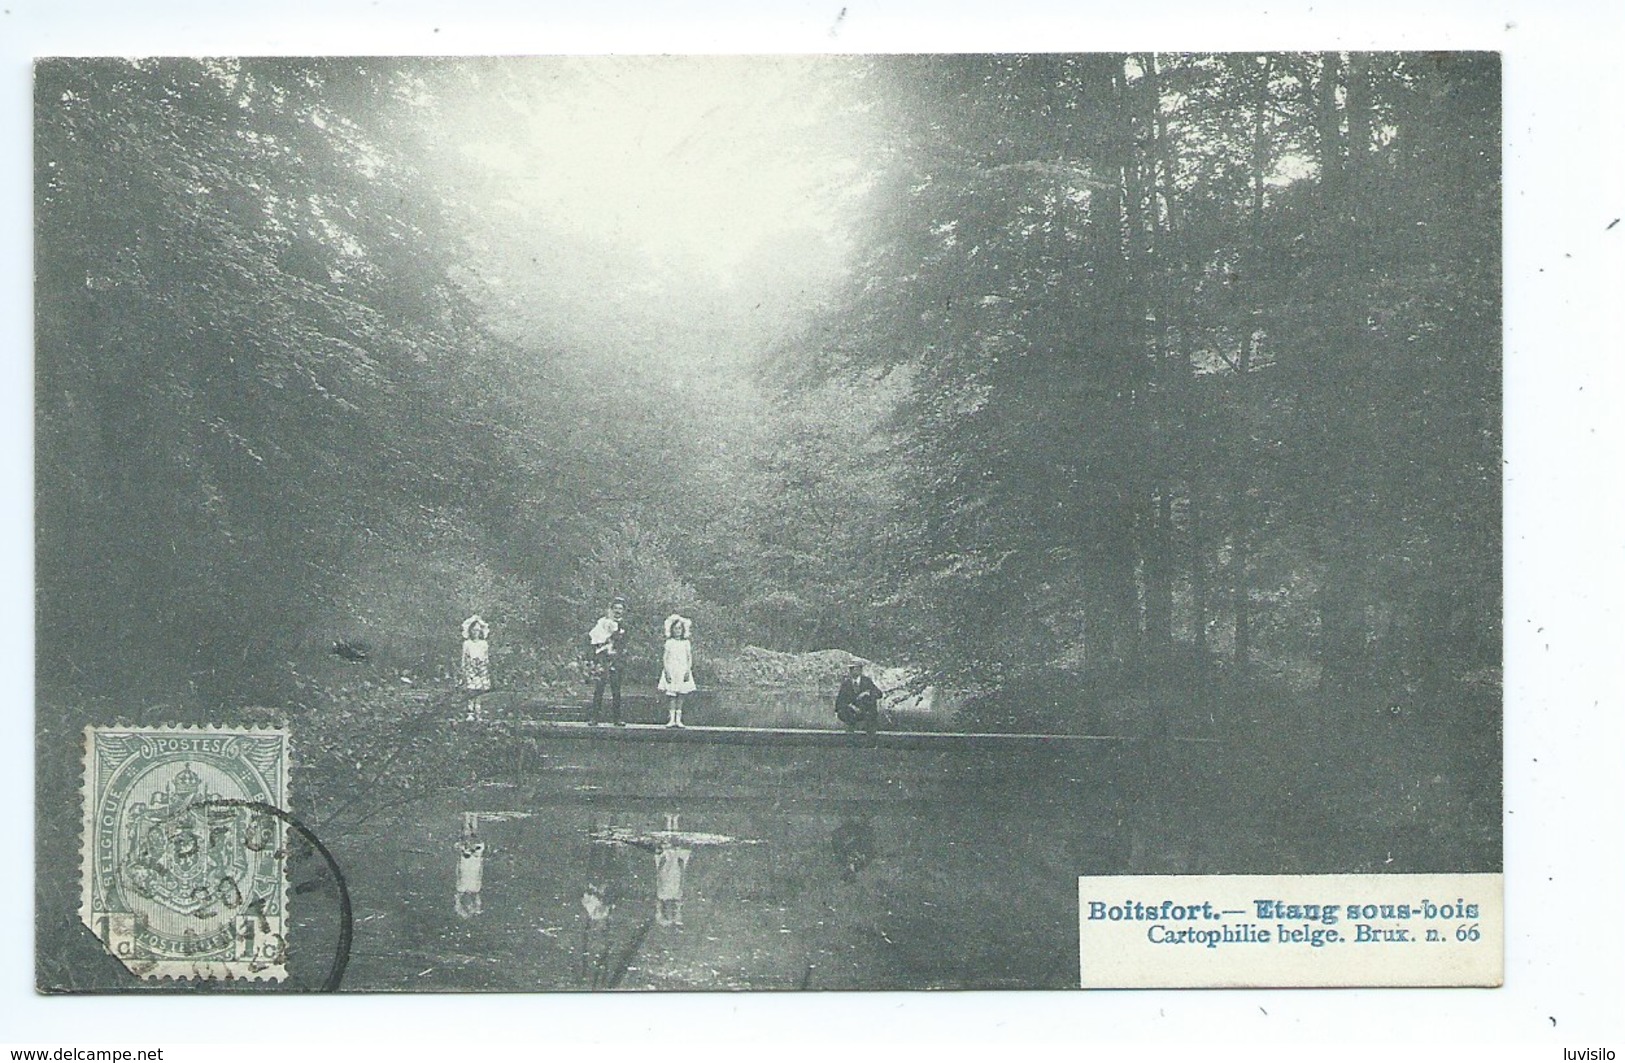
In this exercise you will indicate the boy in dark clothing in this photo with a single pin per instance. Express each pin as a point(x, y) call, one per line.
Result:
point(607, 641)
point(858, 701)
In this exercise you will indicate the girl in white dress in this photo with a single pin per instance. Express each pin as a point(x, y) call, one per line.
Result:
point(476, 663)
point(677, 668)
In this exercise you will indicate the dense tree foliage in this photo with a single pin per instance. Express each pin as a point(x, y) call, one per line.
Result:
point(1206, 366)
point(1135, 366)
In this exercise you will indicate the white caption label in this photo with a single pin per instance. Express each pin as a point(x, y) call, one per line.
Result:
point(1265, 931)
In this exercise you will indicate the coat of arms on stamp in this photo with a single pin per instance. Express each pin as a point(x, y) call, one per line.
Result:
point(183, 849)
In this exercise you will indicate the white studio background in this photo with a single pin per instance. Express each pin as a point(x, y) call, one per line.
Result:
point(1564, 285)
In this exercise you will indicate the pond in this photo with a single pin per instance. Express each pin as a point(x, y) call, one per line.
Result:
point(627, 866)
point(609, 859)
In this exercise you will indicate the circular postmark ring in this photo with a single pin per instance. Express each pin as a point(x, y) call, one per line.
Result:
point(346, 914)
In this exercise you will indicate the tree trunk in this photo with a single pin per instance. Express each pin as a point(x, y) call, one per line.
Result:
point(1358, 105)
point(1328, 125)
point(1240, 587)
point(1155, 281)
point(1110, 538)
point(1343, 137)
point(1243, 511)
point(1198, 563)
point(1159, 612)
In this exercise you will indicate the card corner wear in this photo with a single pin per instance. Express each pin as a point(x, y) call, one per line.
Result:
point(1279, 931)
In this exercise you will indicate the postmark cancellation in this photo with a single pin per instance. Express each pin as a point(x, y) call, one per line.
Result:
point(183, 849)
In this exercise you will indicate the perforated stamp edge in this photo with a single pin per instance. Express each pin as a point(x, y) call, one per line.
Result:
point(174, 968)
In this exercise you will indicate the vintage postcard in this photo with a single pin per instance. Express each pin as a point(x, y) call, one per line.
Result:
point(843, 522)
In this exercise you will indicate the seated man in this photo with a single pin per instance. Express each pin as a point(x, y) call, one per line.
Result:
point(858, 701)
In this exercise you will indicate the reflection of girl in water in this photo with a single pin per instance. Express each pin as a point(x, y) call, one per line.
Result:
point(670, 863)
point(677, 668)
point(470, 869)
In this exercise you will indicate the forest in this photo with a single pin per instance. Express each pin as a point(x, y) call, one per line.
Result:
point(1064, 380)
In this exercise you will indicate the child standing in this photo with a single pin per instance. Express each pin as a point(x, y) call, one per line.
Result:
point(608, 641)
point(476, 663)
point(677, 668)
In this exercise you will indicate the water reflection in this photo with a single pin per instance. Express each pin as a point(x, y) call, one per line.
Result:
point(774, 869)
point(670, 863)
point(601, 895)
point(471, 849)
point(615, 848)
point(593, 951)
point(672, 848)
point(671, 860)
point(470, 868)
point(853, 843)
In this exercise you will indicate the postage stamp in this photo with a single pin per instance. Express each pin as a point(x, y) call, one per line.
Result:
point(183, 849)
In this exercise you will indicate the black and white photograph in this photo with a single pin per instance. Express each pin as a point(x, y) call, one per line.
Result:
point(775, 523)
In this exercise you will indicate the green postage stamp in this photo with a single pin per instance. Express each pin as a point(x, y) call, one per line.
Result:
point(183, 849)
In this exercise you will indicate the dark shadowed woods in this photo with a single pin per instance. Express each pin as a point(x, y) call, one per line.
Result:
point(1111, 394)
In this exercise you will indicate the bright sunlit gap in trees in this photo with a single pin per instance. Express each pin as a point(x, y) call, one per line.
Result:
point(663, 204)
